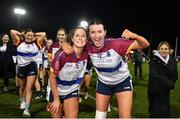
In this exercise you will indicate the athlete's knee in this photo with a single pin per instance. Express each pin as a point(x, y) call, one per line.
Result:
point(100, 115)
point(22, 87)
point(125, 114)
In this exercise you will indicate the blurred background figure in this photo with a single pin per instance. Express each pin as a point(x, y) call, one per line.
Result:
point(7, 66)
point(46, 64)
point(138, 59)
point(85, 85)
point(39, 78)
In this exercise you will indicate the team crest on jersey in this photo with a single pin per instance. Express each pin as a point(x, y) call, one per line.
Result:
point(28, 46)
point(77, 65)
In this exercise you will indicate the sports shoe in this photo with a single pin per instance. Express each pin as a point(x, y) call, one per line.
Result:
point(6, 89)
point(86, 96)
point(39, 97)
point(26, 113)
point(80, 100)
point(109, 108)
point(22, 105)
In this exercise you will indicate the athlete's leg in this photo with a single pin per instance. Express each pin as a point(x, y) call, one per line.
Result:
point(22, 92)
point(102, 103)
point(125, 100)
point(71, 107)
point(29, 87)
point(87, 80)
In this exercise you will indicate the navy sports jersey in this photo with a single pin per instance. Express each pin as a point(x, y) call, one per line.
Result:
point(108, 61)
point(69, 70)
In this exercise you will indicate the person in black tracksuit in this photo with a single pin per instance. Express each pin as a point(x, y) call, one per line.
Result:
point(162, 78)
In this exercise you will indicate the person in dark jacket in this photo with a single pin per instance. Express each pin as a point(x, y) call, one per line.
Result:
point(138, 57)
point(7, 66)
point(162, 78)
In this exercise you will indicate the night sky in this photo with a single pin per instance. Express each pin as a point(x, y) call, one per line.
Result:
point(153, 20)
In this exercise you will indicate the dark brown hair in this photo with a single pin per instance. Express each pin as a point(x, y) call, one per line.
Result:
point(71, 34)
point(96, 21)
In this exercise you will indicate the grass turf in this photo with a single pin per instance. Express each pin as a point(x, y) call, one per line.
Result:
point(9, 102)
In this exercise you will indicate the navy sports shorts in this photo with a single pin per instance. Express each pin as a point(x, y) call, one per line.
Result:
point(64, 97)
point(28, 70)
point(105, 89)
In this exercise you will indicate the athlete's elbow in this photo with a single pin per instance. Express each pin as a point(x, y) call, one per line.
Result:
point(146, 45)
point(12, 31)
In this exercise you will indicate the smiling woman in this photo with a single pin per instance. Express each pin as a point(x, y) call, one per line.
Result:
point(113, 76)
point(27, 51)
point(162, 78)
point(7, 66)
point(65, 89)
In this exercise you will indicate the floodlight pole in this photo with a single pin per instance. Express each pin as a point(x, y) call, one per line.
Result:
point(176, 47)
point(19, 20)
point(149, 50)
point(19, 12)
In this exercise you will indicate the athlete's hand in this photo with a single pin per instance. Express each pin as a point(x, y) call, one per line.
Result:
point(68, 49)
point(127, 34)
point(54, 107)
point(48, 106)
